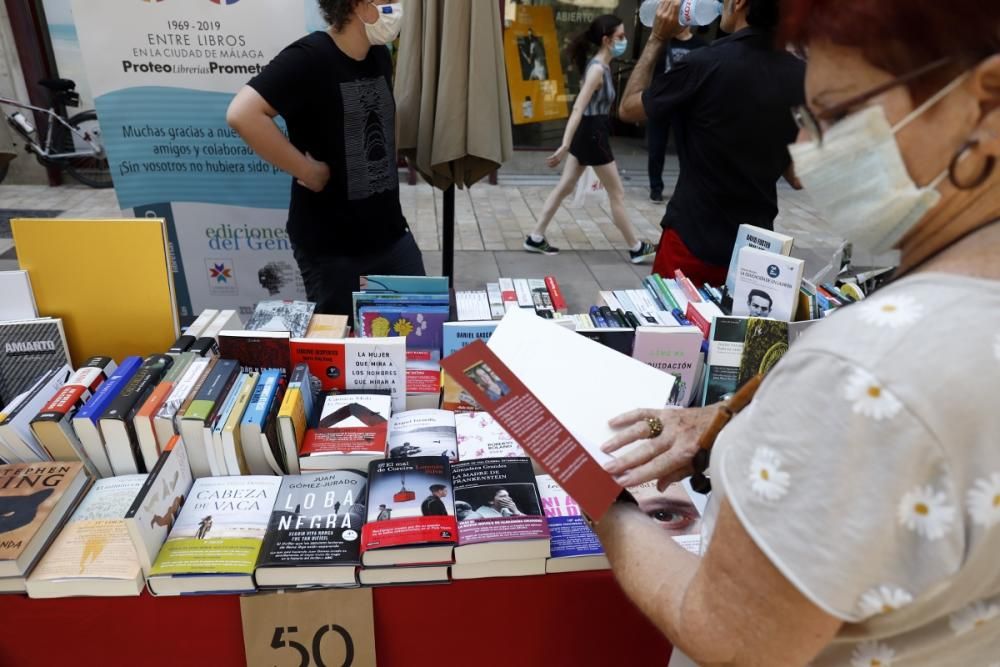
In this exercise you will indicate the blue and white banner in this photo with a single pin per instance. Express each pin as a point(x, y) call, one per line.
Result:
point(162, 74)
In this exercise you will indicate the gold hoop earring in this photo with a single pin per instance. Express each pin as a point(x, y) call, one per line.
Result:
point(986, 172)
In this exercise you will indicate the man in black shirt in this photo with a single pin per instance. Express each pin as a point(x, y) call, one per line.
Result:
point(433, 505)
point(657, 131)
point(334, 90)
point(730, 107)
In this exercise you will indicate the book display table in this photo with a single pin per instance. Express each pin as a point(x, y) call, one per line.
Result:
point(563, 620)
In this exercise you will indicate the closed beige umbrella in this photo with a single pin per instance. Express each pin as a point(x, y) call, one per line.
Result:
point(453, 108)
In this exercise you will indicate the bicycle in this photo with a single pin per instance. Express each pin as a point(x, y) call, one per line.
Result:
point(71, 143)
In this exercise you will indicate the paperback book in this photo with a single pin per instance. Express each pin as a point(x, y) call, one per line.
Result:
point(35, 499)
point(427, 432)
point(499, 511)
point(216, 539)
point(479, 436)
point(314, 535)
point(575, 547)
point(28, 348)
point(351, 432)
point(411, 515)
point(290, 316)
point(93, 555)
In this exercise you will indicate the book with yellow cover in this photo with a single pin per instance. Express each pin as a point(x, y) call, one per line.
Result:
point(327, 326)
point(292, 428)
point(109, 280)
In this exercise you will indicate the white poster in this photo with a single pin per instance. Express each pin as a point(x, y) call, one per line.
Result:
point(162, 74)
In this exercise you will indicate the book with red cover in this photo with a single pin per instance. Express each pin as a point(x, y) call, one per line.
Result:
point(532, 425)
point(257, 350)
point(351, 432)
point(376, 364)
point(411, 514)
point(555, 293)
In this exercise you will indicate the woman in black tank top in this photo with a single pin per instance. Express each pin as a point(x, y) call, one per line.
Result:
point(587, 140)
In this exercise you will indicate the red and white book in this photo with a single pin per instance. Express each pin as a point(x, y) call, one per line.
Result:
point(411, 513)
point(555, 293)
point(351, 433)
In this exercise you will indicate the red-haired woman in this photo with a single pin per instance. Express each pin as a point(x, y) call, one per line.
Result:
point(855, 518)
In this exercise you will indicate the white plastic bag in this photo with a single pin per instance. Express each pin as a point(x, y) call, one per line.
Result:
point(589, 190)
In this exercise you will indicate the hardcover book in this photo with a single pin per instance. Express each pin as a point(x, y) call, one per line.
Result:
point(215, 541)
point(575, 547)
point(427, 432)
point(93, 554)
point(479, 436)
point(290, 316)
point(34, 500)
point(411, 516)
point(351, 432)
point(499, 511)
point(28, 349)
point(420, 325)
point(314, 534)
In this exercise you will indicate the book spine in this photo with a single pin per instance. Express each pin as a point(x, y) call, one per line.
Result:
point(597, 317)
point(665, 296)
point(496, 300)
point(555, 293)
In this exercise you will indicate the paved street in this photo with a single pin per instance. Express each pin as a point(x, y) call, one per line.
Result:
point(491, 222)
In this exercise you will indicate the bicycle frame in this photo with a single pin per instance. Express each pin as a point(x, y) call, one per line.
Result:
point(45, 151)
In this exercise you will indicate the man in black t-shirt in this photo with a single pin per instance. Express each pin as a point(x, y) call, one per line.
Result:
point(334, 90)
point(730, 106)
point(658, 131)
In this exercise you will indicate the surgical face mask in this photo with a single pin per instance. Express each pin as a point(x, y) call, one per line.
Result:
point(618, 47)
point(858, 181)
point(386, 29)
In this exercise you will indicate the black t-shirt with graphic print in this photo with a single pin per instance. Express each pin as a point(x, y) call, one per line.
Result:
point(340, 111)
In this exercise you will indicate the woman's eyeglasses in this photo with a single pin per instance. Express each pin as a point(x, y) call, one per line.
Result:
point(813, 123)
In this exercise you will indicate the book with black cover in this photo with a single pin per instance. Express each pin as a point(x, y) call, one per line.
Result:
point(257, 350)
point(313, 537)
point(28, 348)
point(120, 439)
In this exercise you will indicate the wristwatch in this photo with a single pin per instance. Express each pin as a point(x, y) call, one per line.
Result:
point(625, 497)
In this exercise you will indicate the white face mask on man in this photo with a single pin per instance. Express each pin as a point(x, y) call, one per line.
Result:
point(386, 28)
point(858, 181)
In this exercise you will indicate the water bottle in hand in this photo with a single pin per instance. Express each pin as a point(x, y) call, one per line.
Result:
point(693, 12)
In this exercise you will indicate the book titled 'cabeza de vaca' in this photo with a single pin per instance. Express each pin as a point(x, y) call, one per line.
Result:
point(411, 514)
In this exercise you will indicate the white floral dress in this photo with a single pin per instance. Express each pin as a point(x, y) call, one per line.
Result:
point(868, 470)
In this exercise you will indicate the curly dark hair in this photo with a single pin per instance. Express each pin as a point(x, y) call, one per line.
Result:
point(338, 12)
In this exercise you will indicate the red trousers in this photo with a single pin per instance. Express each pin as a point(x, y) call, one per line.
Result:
point(673, 255)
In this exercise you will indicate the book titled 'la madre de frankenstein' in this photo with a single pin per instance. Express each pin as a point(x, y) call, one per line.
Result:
point(411, 514)
point(314, 535)
point(214, 544)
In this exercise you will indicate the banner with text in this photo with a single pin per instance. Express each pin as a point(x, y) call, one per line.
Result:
point(162, 75)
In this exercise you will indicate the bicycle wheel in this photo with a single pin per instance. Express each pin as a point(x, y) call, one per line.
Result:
point(92, 170)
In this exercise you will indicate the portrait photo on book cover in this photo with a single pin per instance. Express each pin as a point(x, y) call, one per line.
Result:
point(497, 501)
point(759, 303)
point(487, 380)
